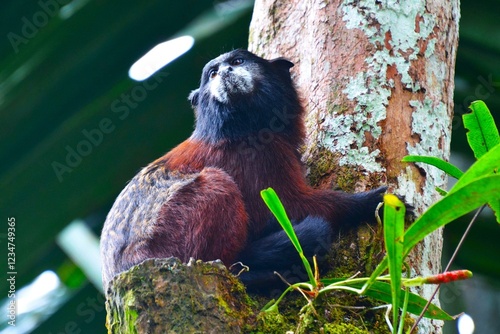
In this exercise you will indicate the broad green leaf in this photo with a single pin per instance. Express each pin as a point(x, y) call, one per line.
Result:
point(495, 206)
point(483, 133)
point(382, 291)
point(449, 208)
point(394, 220)
point(486, 165)
point(274, 204)
point(436, 162)
point(489, 163)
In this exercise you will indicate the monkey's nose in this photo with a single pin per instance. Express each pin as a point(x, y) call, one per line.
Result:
point(225, 69)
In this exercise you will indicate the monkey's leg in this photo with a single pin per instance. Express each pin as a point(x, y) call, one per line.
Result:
point(275, 252)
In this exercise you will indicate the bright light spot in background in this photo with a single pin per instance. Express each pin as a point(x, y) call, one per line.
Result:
point(71, 8)
point(29, 298)
point(159, 56)
point(465, 324)
point(34, 303)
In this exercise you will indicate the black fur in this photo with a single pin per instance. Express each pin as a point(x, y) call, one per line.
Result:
point(246, 114)
point(274, 252)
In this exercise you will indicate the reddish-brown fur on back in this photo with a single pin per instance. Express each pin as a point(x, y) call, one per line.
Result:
point(275, 165)
point(206, 220)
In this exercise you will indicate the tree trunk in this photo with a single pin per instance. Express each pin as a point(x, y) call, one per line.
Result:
point(377, 82)
point(166, 296)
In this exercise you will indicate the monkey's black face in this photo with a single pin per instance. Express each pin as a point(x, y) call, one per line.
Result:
point(229, 78)
point(240, 93)
point(231, 75)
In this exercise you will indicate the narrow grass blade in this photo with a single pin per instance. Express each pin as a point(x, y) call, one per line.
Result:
point(274, 204)
point(394, 219)
point(382, 291)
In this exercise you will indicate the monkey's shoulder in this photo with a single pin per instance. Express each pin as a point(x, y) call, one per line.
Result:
point(143, 197)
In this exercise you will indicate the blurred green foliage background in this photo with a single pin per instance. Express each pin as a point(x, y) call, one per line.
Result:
point(75, 128)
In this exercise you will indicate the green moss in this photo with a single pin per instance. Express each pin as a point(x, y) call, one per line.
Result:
point(111, 322)
point(342, 328)
point(237, 291)
point(330, 314)
point(324, 171)
point(121, 313)
point(273, 322)
point(347, 178)
point(322, 164)
point(130, 314)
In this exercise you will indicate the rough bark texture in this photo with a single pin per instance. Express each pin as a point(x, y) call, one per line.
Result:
point(166, 296)
point(377, 82)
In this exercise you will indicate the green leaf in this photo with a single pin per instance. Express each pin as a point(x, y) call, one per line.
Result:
point(486, 165)
point(394, 219)
point(441, 192)
point(382, 291)
point(495, 206)
point(436, 162)
point(483, 133)
point(451, 207)
point(274, 204)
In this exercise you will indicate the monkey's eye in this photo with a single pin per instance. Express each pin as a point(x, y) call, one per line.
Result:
point(237, 61)
point(212, 73)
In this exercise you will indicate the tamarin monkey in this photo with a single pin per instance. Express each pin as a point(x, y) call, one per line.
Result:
point(202, 199)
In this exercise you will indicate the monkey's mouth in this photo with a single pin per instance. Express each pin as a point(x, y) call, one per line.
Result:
point(230, 84)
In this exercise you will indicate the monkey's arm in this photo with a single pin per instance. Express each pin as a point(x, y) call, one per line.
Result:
point(273, 250)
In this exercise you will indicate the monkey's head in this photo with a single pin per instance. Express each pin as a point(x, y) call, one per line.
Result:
point(241, 94)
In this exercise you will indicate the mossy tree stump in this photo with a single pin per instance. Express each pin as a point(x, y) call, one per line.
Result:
point(166, 296)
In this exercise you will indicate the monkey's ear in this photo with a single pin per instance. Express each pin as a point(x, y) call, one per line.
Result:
point(193, 97)
point(281, 63)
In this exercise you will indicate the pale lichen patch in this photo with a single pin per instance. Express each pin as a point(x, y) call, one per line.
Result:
point(344, 133)
point(394, 29)
point(427, 122)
